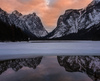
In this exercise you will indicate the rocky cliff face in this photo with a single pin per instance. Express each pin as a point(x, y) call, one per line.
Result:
point(75, 21)
point(73, 24)
point(30, 24)
point(89, 65)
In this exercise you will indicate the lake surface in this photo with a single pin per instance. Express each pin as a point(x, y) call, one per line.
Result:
point(51, 68)
point(50, 61)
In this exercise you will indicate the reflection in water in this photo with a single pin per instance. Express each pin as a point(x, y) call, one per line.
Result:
point(86, 64)
point(49, 69)
point(17, 64)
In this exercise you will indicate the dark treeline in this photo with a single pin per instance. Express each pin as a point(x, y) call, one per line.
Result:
point(92, 33)
point(11, 33)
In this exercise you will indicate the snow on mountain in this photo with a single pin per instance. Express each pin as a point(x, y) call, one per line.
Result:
point(3, 15)
point(96, 1)
point(89, 65)
point(75, 20)
point(28, 23)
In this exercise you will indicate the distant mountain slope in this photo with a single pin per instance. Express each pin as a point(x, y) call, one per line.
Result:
point(74, 24)
point(79, 24)
point(29, 24)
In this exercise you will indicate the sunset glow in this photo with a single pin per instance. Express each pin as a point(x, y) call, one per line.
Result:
point(47, 10)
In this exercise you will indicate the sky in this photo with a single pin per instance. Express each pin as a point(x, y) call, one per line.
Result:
point(48, 10)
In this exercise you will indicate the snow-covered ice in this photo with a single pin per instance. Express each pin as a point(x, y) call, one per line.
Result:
point(51, 48)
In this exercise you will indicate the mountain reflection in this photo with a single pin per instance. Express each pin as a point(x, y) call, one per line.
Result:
point(89, 65)
point(17, 64)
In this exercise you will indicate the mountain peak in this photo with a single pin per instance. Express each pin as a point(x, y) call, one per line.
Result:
point(34, 14)
point(1, 10)
point(30, 24)
point(78, 23)
point(16, 13)
point(96, 1)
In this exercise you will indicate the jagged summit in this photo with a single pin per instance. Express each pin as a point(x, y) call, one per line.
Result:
point(78, 22)
point(31, 24)
point(96, 1)
point(73, 24)
point(34, 14)
point(2, 11)
point(16, 13)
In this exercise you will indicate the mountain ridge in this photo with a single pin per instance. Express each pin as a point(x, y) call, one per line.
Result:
point(75, 20)
point(29, 24)
point(74, 24)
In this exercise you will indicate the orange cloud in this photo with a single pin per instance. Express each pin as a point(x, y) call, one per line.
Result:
point(48, 13)
point(59, 7)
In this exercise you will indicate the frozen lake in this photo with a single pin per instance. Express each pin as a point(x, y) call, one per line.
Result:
point(50, 48)
point(42, 61)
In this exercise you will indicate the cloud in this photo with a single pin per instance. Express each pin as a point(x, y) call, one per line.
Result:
point(24, 1)
point(56, 9)
point(48, 13)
